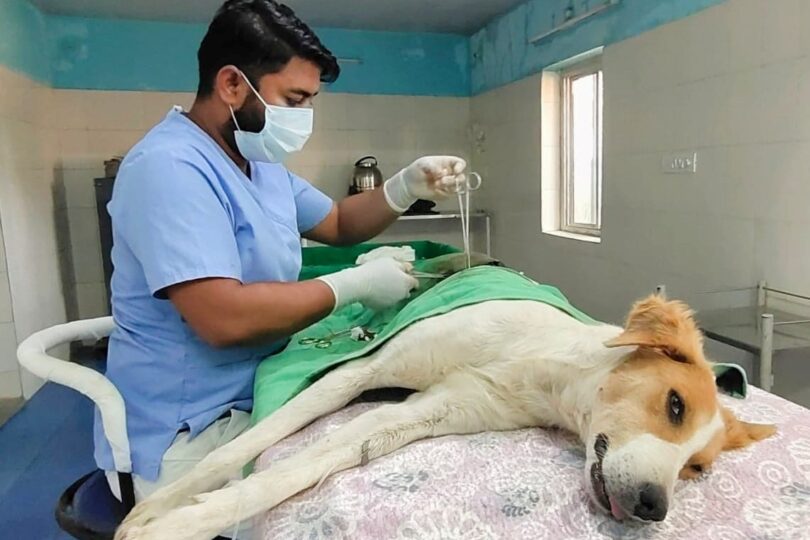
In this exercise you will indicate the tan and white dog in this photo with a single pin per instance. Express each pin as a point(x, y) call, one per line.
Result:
point(642, 399)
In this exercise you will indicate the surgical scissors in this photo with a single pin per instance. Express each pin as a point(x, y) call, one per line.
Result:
point(465, 188)
point(323, 342)
point(468, 186)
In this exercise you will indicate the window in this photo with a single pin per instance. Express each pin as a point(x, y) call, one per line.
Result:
point(572, 147)
point(581, 174)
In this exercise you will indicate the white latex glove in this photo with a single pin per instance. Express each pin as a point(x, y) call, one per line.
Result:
point(432, 178)
point(377, 284)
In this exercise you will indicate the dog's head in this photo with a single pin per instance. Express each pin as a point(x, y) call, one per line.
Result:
point(657, 416)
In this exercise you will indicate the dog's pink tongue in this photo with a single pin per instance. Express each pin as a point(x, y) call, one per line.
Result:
point(616, 510)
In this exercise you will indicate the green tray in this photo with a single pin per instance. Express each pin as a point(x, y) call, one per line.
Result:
point(318, 261)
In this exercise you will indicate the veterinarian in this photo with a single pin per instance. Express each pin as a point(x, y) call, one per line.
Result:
point(207, 226)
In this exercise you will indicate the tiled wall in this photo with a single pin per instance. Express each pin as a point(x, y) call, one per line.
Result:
point(30, 286)
point(732, 83)
point(92, 126)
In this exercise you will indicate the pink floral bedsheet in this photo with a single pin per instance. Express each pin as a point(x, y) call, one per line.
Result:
point(528, 484)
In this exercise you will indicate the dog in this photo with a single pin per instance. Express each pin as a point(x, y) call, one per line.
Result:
point(642, 399)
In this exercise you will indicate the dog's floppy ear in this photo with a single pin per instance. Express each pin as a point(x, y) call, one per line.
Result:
point(665, 325)
point(741, 434)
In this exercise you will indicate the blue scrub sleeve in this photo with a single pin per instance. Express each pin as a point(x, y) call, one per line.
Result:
point(174, 222)
point(312, 205)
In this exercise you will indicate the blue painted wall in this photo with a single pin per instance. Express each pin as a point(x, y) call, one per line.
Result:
point(500, 53)
point(23, 46)
point(107, 54)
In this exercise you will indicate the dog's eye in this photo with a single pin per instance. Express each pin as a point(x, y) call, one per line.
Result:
point(697, 468)
point(675, 408)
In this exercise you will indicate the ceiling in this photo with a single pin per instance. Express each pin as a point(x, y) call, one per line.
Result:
point(449, 16)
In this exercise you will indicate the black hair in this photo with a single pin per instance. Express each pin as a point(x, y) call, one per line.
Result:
point(259, 37)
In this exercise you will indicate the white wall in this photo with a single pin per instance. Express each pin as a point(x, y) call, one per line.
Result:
point(732, 83)
point(30, 289)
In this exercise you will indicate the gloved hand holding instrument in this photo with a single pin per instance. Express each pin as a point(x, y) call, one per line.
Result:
point(377, 284)
point(435, 178)
point(432, 178)
point(382, 282)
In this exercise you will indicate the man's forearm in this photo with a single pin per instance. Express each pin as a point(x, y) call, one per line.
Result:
point(227, 313)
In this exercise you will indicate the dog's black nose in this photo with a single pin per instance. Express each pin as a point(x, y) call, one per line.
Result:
point(652, 503)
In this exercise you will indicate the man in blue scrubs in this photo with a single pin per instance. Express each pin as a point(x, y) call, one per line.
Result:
point(207, 227)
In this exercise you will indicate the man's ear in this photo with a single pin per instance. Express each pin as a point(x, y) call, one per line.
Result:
point(741, 434)
point(665, 325)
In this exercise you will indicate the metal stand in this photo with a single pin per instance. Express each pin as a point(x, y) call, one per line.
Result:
point(762, 330)
point(455, 215)
point(766, 353)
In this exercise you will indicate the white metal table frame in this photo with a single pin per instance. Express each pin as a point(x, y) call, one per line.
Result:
point(455, 215)
point(767, 323)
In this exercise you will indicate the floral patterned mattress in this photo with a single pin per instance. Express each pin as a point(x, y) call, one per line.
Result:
point(528, 484)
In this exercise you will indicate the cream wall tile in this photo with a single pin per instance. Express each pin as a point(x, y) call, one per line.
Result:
point(109, 110)
point(783, 26)
point(92, 300)
point(70, 109)
point(6, 313)
point(8, 348)
point(74, 150)
point(155, 107)
point(15, 95)
point(10, 384)
point(746, 33)
point(780, 257)
point(331, 111)
point(108, 143)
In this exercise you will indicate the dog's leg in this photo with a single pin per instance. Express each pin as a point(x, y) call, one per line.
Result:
point(368, 436)
point(333, 391)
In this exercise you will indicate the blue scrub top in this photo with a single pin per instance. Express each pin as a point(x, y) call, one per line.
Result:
point(182, 210)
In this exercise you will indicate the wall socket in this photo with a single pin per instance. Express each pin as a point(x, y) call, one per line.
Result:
point(679, 163)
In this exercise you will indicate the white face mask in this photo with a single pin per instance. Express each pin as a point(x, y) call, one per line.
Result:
point(286, 131)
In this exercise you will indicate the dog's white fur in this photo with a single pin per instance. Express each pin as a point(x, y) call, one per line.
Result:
point(498, 365)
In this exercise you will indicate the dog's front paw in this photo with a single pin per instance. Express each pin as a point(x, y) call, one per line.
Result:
point(132, 532)
point(195, 522)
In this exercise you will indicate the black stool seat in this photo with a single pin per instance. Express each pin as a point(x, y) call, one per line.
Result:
point(88, 510)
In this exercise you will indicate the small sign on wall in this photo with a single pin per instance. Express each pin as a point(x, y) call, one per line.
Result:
point(679, 163)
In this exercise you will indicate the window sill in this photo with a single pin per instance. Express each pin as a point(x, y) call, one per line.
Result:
point(575, 236)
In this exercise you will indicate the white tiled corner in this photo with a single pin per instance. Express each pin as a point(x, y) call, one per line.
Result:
point(8, 347)
point(3, 262)
point(10, 384)
point(30, 383)
point(6, 308)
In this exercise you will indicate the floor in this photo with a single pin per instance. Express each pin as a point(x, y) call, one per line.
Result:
point(44, 447)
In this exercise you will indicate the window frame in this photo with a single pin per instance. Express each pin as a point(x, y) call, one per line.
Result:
point(588, 67)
